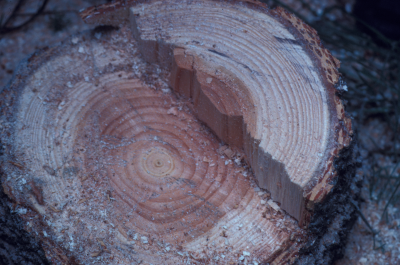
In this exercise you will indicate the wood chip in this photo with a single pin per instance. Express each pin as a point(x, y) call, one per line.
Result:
point(222, 149)
point(101, 242)
point(16, 164)
point(82, 200)
point(229, 153)
point(109, 195)
point(274, 205)
point(54, 209)
point(206, 159)
point(173, 111)
point(49, 170)
point(95, 254)
point(206, 143)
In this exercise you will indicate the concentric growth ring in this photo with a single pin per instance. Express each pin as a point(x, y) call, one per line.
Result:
point(156, 161)
point(117, 162)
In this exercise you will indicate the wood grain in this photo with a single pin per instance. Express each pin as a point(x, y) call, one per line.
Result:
point(117, 166)
point(200, 131)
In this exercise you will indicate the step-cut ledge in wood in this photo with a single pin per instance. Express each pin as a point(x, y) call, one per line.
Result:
point(106, 164)
point(260, 79)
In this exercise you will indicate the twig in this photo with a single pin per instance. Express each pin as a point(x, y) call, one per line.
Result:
point(4, 29)
point(47, 13)
point(397, 185)
point(16, 8)
point(374, 233)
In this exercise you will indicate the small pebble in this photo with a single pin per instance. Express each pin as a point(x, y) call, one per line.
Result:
point(363, 260)
point(75, 40)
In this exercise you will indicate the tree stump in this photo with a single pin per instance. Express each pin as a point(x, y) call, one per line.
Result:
point(198, 132)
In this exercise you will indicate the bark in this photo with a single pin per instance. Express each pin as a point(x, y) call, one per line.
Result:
point(16, 245)
point(201, 131)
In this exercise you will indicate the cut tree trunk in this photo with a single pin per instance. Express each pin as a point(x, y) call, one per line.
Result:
point(198, 132)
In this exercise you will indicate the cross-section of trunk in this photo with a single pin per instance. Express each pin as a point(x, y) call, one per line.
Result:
point(200, 131)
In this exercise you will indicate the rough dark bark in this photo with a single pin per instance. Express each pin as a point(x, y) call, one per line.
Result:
point(334, 218)
point(16, 245)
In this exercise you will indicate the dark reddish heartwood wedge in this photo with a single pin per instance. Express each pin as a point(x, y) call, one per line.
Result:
point(196, 132)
